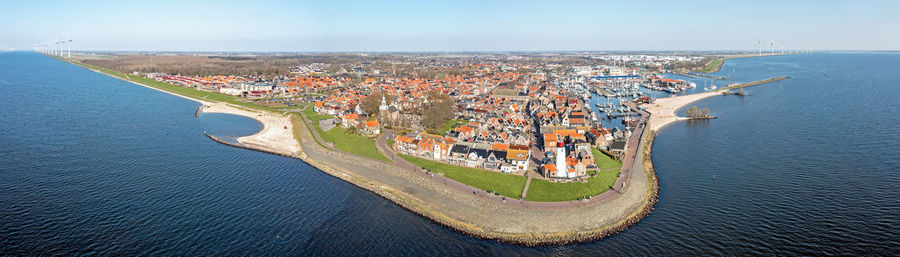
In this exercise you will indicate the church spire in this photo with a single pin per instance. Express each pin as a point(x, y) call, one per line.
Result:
point(383, 105)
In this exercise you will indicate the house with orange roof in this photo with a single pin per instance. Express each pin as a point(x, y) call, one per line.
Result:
point(516, 160)
point(350, 120)
point(373, 127)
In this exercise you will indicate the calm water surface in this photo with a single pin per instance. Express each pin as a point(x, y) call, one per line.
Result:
point(93, 165)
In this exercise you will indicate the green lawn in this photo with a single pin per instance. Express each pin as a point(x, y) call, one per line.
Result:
point(545, 191)
point(314, 117)
point(347, 142)
point(604, 162)
point(712, 66)
point(352, 143)
point(390, 143)
point(450, 125)
point(504, 184)
point(185, 91)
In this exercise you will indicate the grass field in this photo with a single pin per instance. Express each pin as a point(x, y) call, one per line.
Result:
point(347, 142)
point(504, 184)
point(712, 66)
point(352, 143)
point(546, 191)
point(605, 162)
point(185, 91)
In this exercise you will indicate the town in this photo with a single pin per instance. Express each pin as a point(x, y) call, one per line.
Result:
point(558, 118)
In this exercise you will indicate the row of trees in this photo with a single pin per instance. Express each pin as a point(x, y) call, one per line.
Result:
point(696, 113)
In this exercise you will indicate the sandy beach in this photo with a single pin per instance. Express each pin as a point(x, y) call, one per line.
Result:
point(663, 109)
point(276, 135)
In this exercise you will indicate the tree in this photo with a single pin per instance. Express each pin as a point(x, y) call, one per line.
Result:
point(370, 103)
point(692, 112)
point(695, 113)
point(439, 110)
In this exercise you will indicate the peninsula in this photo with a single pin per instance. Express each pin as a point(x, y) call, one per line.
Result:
point(523, 159)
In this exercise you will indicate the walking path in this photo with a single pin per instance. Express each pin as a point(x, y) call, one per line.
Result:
point(525, 190)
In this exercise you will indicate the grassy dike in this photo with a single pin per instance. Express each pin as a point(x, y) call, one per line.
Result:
point(184, 91)
point(715, 65)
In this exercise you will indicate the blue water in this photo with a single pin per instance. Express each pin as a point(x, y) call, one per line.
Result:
point(93, 165)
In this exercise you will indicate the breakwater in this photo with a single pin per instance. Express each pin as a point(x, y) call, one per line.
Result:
point(756, 83)
point(698, 75)
point(214, 138)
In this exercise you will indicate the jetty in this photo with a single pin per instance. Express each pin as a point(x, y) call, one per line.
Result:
point(755, 83)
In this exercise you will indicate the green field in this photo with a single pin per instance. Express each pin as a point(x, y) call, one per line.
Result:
point(546, 191)
point(352, 143)
point(347, 142)
point(605, 162)
point(504, 184)
point(712, 66)
point(185, 91)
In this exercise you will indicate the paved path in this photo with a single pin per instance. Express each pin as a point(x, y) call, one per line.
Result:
point(525, 191)
point(316, 134)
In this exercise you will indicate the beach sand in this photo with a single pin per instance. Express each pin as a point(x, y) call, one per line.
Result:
point(663, 109)
point(276, 135)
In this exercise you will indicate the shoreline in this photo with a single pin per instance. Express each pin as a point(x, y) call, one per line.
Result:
point(270, 139)
point(461, 212)
point(739, 56)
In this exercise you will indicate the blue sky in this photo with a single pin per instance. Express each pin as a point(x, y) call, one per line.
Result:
point(449, 25)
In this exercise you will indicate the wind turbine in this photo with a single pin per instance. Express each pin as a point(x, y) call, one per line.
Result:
point(758, 46)
point(772, 45)
point(70, 48)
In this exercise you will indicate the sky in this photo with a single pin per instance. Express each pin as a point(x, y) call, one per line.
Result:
point(392, 26)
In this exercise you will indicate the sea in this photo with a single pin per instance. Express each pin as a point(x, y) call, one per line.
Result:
point(93, 165)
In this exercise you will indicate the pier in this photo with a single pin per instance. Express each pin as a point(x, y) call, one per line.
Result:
point(199, 109)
